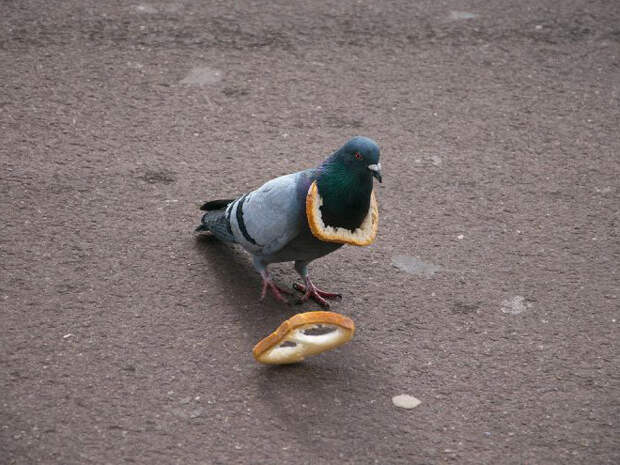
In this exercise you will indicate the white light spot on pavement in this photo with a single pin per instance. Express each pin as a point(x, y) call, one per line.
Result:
point(145, 8)
point(415, 266)
point(202, 75)
point(515, 305)
point(460, 15)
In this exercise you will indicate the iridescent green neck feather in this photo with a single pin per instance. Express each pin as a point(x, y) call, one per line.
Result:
point(345, 194)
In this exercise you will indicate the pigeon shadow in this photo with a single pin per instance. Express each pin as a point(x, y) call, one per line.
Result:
point(231, 267)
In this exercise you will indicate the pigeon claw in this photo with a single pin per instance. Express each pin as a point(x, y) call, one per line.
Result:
point(276, 291)
point(312, 292)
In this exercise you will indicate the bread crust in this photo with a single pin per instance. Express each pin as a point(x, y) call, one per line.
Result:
point(298, 322)
point(364, 235)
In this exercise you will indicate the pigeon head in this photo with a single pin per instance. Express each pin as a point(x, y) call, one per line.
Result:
point(345, 182)
point(360, 157)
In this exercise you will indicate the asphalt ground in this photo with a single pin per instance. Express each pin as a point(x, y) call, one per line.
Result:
point(491, 293)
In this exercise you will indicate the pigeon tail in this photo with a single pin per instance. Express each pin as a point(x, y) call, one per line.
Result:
point(216, 220)
point(213, 205)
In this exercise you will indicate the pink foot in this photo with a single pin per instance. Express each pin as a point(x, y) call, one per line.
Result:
point(311, 291)
point(276, 290)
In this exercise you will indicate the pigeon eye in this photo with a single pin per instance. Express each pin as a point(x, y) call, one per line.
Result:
point(358, 155)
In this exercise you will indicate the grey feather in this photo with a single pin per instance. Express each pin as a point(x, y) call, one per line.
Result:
point(270, 222)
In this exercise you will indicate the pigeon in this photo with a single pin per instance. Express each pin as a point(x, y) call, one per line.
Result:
point(283, 221)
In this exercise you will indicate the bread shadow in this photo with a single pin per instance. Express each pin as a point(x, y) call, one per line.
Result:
point(312, 400)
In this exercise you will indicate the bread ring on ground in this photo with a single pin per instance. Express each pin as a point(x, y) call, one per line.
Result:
point(364, 235)
point(303, 335)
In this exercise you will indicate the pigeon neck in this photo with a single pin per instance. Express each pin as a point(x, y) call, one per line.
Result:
point(346, 196)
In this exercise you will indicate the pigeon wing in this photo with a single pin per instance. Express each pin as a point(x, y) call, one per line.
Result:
point(267, 219)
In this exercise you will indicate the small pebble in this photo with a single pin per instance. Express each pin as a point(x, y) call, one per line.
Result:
point(406, 401)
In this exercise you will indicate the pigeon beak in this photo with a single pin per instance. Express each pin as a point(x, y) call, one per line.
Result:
point(376, 171)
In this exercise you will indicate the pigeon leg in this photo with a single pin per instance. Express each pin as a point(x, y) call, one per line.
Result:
point(276, 290)
point(268, 283)
point(310, 290)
